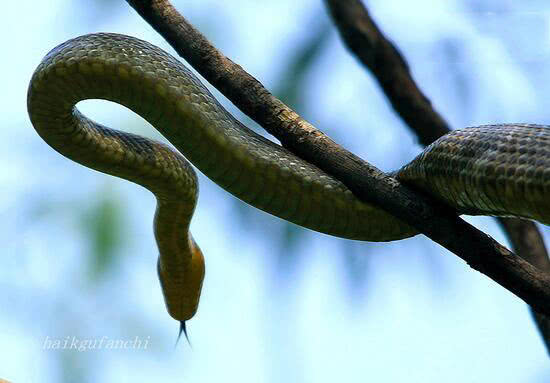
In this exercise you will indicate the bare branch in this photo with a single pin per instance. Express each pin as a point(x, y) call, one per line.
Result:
point(370, 46)
point(366, 181)
point(364, 39)
point(528, 242)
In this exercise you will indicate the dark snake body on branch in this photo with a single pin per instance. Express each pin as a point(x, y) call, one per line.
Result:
point(487, 170)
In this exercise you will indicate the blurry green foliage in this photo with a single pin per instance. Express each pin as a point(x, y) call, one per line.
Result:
point(300, 64)
point(102, 224)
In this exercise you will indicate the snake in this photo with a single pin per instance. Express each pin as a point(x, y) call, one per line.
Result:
point(484, 170)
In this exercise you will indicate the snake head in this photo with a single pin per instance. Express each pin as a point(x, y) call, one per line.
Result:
point(181, 277)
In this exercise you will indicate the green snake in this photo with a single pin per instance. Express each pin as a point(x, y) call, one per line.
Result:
point(487, 170)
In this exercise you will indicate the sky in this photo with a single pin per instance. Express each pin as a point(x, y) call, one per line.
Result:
point(279, 303)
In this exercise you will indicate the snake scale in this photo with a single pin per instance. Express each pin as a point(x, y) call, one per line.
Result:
point(487, 170)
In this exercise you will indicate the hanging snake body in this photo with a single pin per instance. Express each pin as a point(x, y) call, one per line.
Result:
point(490, 170)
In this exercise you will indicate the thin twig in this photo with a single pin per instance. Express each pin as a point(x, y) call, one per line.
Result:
point(370, 184)
point(365, 40)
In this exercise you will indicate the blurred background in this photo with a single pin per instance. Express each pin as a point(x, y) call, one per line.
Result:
point(279, 303)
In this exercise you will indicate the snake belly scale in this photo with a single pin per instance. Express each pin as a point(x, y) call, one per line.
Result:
point(163, 91)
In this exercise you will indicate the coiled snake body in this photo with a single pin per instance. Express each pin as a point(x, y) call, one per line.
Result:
point(489, 170)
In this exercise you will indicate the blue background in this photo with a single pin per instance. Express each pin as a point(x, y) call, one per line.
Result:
point(279, 303)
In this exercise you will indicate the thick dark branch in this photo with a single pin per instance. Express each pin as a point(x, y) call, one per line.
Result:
point(367, 182)
point(528, 242)
point(364, 39)
point(388, 66)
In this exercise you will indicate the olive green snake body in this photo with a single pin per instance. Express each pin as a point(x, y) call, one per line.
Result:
point(488, 170)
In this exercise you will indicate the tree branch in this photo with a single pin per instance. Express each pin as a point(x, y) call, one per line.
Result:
point(382, 58)
point(528, 243)
point(366, 181)
point(365, 40)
